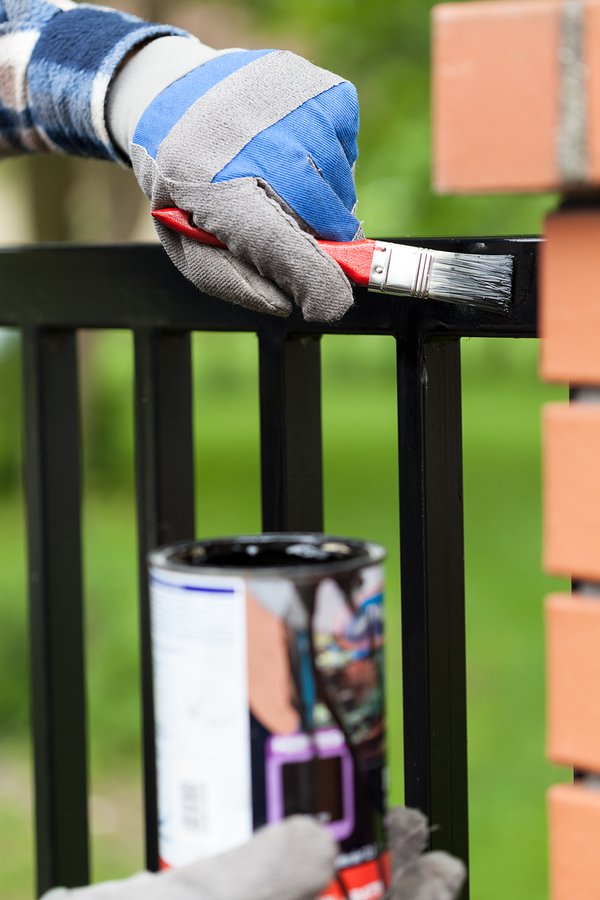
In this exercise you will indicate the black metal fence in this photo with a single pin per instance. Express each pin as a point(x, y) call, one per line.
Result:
point(49, 293)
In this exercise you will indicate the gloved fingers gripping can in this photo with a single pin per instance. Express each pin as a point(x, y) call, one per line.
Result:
point(268, 687)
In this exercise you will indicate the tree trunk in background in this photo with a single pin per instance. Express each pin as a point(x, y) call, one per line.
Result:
point(125, 203)
point(50, 182)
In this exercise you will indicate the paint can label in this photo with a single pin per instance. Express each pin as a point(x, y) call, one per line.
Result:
point(201, 689)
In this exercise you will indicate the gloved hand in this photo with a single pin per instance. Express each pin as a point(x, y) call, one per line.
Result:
point(259, 146)
point(273, 866)
point(417, 875)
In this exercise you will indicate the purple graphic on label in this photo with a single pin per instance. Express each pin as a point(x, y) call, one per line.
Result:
point(301, 768)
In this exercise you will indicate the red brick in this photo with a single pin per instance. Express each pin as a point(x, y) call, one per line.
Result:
point(574, 841)
point(569, 298)
point(573, 665)
point(572, 490)
point(497, 94)
point(495, 85)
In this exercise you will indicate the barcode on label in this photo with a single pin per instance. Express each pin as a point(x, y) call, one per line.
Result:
point(194, 798)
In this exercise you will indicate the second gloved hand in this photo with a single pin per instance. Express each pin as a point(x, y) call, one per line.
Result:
point(293, 860)
point(259, 146)
point(417, 875)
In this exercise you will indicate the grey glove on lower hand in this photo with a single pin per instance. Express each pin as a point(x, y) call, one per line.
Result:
point(417, 875)
point(293, 860)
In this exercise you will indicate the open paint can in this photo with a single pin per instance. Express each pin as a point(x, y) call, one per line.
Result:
point(268, 687)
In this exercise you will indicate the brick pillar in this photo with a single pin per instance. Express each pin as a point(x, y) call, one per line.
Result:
point(517, 108)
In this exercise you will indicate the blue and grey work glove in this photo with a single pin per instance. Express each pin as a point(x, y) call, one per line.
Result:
point(259, 145)
point(273, 866)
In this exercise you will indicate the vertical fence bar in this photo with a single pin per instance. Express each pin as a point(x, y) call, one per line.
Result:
point(432, 563)
point(53, 489)
point(165, 500)
point(291, 442)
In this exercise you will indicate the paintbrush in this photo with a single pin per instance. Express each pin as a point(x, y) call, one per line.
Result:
point(468, 279)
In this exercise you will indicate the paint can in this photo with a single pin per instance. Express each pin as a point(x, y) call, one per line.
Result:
point(268, 693)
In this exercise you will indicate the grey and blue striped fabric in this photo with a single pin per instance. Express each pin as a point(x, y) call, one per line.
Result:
point(57, 59)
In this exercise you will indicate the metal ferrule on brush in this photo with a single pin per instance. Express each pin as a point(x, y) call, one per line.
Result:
point(398, 269)
point(469, 279)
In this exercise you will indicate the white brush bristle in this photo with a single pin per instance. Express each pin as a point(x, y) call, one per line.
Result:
point(473, 279)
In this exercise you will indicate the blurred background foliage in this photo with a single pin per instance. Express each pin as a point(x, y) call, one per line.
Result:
point(384, 49)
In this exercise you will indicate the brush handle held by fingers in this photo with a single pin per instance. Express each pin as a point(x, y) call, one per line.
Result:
point(464, 278)
point(353, 257)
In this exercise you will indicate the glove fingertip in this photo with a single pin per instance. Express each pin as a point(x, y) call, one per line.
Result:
point(327, 306)
point(449, 870)
point(293, 842)
point(407, 834)
point(317, 841)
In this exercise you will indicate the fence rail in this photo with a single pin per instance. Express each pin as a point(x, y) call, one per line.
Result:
point(52, 291)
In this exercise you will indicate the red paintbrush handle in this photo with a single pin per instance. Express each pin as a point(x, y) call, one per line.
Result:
point(353, 257)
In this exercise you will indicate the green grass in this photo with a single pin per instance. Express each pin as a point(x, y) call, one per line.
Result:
point(508, 776)
point(505, 589)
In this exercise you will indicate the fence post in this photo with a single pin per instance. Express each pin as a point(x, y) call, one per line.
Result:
point(53, 490)
point(165, 501)
point(291, 442)
point(432, 570)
